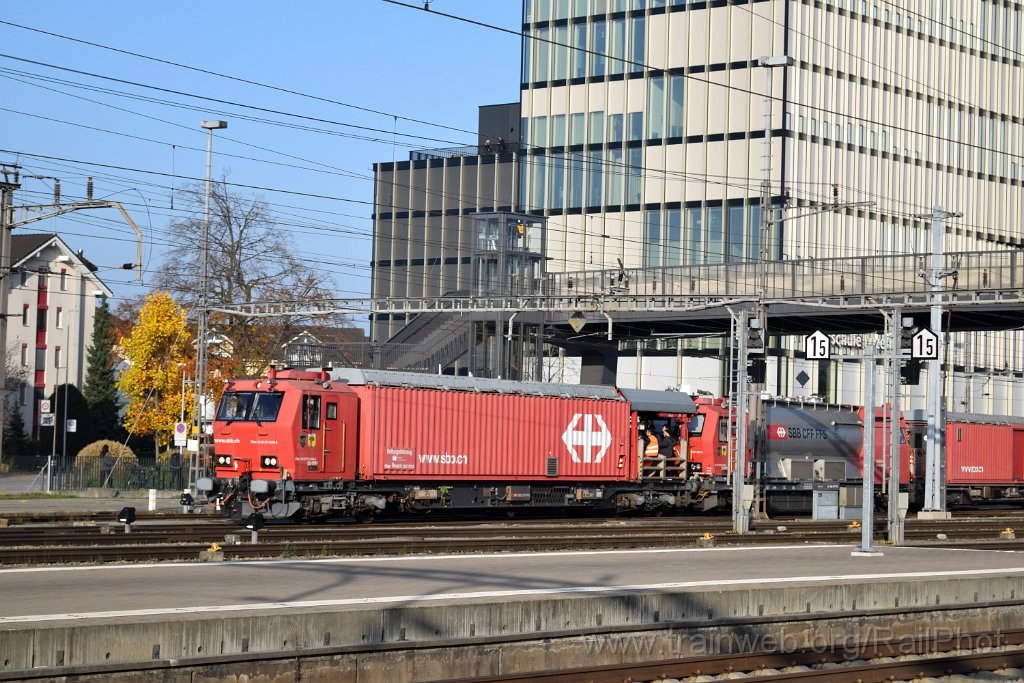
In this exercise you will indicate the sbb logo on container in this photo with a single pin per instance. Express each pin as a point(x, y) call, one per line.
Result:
point(587, 443)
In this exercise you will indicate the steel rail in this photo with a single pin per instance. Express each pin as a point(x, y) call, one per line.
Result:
point(738, 663)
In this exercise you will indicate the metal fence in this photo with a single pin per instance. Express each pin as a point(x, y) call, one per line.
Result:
point(978, 271)
point(126, 475)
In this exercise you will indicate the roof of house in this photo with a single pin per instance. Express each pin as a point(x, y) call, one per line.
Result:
point(25, 247)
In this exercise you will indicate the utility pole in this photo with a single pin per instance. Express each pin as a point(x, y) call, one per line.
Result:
point(895, 522)
point(868, 457)
point(740, 521)
point(760, 314)
point(935, 461)
point(197, 464)
point(7, 187)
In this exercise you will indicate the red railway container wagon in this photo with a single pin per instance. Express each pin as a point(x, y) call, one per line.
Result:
point(984, 457)
point(358, 442)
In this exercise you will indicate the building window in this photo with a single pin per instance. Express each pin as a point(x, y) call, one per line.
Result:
point(579, 51)
point(556, 193)
point(63, 279)
point(23, 396)
point(613, 193)
point(615, 131)
point(560, 60)
point(24, 278)
point(24, 315)
point(716, 235)
point(636, 46)
point(59, 318)
point(576, 181)
point(636, 173)
point(558, 130)
point(540, 131)
point(675, 107)
point(656, 107)
point(617, 47)
point(56, 356)
point(595, 178)
point(652, 243)
point(24, 355)
point(541, 48)
point(735, 251)
point(636, 125)
point(596, 135)
point(538, 180)
point(576, 129)
point(695, 228)
point(598, 38)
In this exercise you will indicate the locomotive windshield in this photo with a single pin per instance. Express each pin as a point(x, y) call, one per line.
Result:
point(251, 406)
point(695, 426)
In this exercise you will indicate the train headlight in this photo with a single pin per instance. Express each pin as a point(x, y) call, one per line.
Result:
point(268, 461)
point(223, 461)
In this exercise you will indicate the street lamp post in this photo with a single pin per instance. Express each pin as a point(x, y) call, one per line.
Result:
point(758, 316)
point(201, 332)
point(769, 64)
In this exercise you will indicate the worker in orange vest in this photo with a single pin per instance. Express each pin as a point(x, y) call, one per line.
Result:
point(651, 458)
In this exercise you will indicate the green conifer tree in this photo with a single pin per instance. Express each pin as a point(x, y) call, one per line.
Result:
point(100, 390)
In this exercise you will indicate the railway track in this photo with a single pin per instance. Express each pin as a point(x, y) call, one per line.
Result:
point(874, 662)
point(159, 539)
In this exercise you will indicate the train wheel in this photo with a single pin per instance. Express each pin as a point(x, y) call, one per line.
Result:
point(365, 517)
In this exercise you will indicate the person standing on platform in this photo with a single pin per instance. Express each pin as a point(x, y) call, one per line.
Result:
point(175, 462)
point(106, 465)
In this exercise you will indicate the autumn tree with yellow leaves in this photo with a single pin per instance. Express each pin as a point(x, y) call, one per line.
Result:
point(156, 349)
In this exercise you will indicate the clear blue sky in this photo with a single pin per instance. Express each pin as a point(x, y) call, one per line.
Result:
point(367, 53)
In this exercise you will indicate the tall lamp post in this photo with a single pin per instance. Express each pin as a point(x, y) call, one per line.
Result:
point(753, 327)
point(201, 332)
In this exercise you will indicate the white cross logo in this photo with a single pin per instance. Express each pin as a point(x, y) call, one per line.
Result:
point(588, 438)
point(781, 431)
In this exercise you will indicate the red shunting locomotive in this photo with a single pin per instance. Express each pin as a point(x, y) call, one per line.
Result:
point(347, 442)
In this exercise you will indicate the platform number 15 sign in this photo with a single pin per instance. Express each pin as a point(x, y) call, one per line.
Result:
point(925, 345)
point(818, 346)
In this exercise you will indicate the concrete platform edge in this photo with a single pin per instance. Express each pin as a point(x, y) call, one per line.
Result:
point(98, 643)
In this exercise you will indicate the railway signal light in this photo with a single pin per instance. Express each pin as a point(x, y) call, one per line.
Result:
point(910, 371)
point(907, 336)
point(126, 516)
point(757, 370)
point(254, 523)
point(755, 336)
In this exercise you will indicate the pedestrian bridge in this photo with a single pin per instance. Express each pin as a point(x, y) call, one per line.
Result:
point(984, 290)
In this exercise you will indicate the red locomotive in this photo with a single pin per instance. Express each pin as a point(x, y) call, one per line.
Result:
point(312, 444)
point(358, 442)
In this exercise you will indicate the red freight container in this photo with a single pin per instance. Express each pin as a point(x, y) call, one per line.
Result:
point(450, 432)
point(1018, 453)
point(979, 453)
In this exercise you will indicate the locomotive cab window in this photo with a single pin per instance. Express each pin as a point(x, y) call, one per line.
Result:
point(311, 412)
point(696, 425)
point(250, 406)
point(332, 411)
